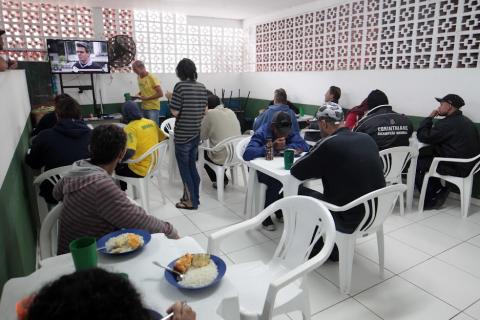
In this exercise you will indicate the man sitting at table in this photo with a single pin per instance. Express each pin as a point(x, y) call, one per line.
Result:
point(388, 128)
point(279, 130)
point(142, 134)
point(333, 94)
point(96, 294)
point(93, 203)
point(348, 164)
point(279, 104)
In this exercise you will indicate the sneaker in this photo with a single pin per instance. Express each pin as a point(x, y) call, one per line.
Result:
point(269, 227)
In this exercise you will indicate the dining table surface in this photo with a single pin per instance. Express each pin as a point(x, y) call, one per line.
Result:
point(216, 302)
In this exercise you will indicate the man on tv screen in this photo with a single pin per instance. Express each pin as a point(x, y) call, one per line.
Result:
point(84, 60)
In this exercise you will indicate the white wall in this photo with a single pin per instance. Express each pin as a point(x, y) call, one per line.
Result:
point(15, 111)
point(410, 91)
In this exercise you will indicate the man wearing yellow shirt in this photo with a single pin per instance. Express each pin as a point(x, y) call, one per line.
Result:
point(150, 91)
point(142, 134)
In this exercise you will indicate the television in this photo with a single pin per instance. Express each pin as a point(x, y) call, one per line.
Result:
point(78, 56)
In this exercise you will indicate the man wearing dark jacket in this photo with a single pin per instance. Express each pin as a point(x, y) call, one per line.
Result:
point(454, 136)
point(388, 128)
point(61, 145)
point(348, 164)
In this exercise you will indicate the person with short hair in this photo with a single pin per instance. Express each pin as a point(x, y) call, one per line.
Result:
point(95, 294)
point(84, 61)
point(150, 91)
point(333, 94)
point(388, 128)
point(49, 120)
point(454, 136)
point(218, 124)
point(279, 105)
point(5, 62)
point(187, 103)
point(61, 145)
point(280, 131)
point(348, 164)
point(93, 204)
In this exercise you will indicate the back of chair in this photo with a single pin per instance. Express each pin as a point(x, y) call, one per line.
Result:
point(395, 160)
point(48, 232)
point(241, 146)
point(52, 175)
point(154, 154)
point(167, 126)
point(230, 146)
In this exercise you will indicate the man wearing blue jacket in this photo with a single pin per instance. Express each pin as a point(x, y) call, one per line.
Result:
point(279, 104)
point(279, 130)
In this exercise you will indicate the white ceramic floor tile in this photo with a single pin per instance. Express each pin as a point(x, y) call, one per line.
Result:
point(395, 222)
point(415, 216)
point(262, 252)
point(207, 203)
point(474, 310)
point(184, 226)
point(346, 310)
point(365, 273)
point(424, 238)
point(452, 285)
point(397, 299)
point(453, 226)
point(398, 256)
point(242, 240)
point(464, 256)
point(164, 211)
point(202, 240)
point(237, 208)
point(475, 241)
point(214, 218)
point(462, 316)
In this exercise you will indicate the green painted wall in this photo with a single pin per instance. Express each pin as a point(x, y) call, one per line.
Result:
point(17, 223)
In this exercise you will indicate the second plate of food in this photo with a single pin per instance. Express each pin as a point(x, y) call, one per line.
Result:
point(199, 271)
point(123, 241)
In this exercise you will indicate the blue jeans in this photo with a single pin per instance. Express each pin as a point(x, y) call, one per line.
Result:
point(186, 154)
point(152, 115)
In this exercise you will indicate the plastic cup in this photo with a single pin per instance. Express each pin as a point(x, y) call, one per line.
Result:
point(127, 96)
point(84, 253)
point(288, 156)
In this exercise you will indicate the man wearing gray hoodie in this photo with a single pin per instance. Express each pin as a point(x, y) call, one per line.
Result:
point(93, 204)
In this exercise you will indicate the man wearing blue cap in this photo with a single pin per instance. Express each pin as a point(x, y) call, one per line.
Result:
point(454, 136)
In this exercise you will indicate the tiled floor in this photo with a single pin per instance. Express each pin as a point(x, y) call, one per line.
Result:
point(432, 259)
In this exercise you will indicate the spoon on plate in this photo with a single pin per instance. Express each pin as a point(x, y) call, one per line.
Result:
point(178, 274)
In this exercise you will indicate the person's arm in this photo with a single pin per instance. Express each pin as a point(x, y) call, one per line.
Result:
point(295, 141)
point(175, 101)
point(427, 133)
point(302, 168)
point(182, 311)
point(131, 143)
point(258, 121)
point(3, 65)
point(158, 94)
point(255, 148)
point(34, 157)
point(116, 209)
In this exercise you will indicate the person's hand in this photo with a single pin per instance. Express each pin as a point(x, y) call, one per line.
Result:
point(298, 151)
point(143, 98)
point(279, 144)
point(168, 95)
point(182, 311)
point(434, 113)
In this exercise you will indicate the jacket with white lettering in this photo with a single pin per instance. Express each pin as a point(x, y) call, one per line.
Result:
point(388, 128)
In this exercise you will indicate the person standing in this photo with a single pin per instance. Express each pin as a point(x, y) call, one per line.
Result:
point(187, 103)
point(150, 91)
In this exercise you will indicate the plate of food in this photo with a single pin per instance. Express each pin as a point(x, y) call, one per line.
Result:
point(123, 241)
point(200, 270)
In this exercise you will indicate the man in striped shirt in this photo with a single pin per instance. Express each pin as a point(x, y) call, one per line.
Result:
point(93, 204)
point(188, 103)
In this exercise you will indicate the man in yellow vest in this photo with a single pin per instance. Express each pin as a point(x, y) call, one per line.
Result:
point(150, 91)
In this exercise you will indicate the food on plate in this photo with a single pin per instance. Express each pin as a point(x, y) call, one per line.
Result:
point(198, 269)
point(124, 242)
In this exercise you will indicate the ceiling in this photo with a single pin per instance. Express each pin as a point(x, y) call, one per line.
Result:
point(227, 9)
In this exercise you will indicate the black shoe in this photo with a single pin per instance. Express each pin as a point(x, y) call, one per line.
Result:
point(214, 184)
point(442, 196)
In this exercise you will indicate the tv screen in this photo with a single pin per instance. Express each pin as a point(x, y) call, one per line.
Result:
point(78, 56)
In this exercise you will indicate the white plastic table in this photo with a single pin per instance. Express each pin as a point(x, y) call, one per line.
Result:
point(218, 302)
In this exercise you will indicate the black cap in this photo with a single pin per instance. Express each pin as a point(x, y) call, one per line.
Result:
point(213, 101)
point(282, 122)
point(2, 32)
point(453, 99)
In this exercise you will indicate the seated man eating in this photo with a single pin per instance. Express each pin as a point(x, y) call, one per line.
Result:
point(283, 137)
point(93, 203)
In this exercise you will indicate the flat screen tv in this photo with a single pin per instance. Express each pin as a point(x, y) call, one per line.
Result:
point(78, 56)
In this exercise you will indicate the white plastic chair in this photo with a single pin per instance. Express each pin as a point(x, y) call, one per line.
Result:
point(278, 287)
point(394, 162)
point(463, 184)
point(232, 162)
point(167, 126)
point(140, 185)
point(378, 206)
point(48, 233)
point(53, 176)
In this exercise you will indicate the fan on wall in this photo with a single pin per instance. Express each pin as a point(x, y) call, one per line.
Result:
point(121, 51)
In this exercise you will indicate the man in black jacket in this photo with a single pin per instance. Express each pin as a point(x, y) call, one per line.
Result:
point(348, 164)
point(454, 136)
point(388, 128)
point(61, 145)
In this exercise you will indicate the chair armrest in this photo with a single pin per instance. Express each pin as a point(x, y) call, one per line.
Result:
point(436, 161)
point(147, 153)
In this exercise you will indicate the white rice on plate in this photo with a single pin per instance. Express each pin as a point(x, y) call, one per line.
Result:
point(199, 277)
point(120, 243)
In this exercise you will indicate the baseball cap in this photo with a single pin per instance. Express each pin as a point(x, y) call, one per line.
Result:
point(282, 122)
point(453, 99)
point(330, 110)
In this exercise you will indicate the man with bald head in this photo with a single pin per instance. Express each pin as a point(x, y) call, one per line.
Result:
point(150, 91)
